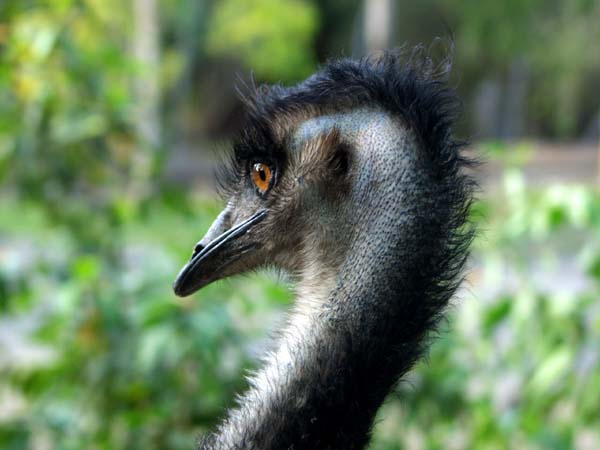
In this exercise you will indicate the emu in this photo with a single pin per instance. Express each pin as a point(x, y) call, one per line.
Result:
point(353, 184)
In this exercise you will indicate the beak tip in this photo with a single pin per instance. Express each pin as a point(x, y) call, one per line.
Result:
point(177, 290)
point(179, 287)
point(182, 289)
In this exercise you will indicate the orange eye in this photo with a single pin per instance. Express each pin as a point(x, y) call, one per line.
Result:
point(261, 176)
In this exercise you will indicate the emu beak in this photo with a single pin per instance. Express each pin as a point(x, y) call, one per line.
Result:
point(216, 253)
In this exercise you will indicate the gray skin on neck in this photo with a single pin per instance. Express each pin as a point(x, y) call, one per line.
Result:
point(341, 339)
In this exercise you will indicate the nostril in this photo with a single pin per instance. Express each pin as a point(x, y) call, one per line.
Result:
point(197, 249)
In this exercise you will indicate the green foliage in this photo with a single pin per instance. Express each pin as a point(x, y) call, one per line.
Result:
point(66, 136)
point(113, 360)
point(97, 353)
point(272, 37)
point(555, 41)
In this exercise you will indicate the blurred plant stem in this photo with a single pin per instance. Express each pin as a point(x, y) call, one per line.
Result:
point(377, 24)
point(598, 154)
point(146, 50)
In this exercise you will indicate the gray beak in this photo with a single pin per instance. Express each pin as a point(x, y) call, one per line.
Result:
point(216, 253)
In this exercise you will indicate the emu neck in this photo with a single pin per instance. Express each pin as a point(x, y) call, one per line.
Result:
point(356, 329)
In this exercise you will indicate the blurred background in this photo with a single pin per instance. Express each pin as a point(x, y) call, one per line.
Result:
point(112, 114)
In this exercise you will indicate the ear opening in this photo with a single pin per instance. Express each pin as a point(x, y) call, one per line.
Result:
point(325, 157)
point(339, 164)
point(337, 153)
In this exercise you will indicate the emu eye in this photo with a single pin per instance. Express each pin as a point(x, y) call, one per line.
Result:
point(261, 176)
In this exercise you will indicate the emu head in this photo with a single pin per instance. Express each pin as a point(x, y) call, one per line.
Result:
point(287, 206)
point(324, 169)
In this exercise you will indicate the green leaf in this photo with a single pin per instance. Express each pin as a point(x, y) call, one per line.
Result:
point(551, 371)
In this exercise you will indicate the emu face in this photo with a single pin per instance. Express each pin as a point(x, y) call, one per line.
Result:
point(286, 207)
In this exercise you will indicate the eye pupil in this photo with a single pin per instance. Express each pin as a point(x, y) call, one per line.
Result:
point(261, 176)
